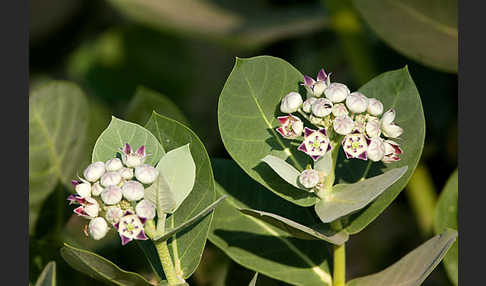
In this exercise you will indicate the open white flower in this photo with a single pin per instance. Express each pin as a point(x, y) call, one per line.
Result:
point(130, 227)
point(355, 145)
point(291, 102)
point(316, 143)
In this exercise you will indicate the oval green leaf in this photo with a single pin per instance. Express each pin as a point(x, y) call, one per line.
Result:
point(394, 89)
point(296, 229)
point(425, 31)
point(100, 268)
point(146, 100)
point(349, 198)
point(247, 117)
point(58, 121)
point(48, 275)
point(284, 170)
point(120, 132)
point(446, 217)
point(413, 268)
point(258, 245)
point(186, 247)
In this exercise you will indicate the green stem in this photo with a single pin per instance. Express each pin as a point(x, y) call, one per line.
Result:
point(167, 265)
point(339, 271)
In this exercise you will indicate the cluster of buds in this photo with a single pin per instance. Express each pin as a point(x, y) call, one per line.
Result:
point(340, 117)
point(112, 194)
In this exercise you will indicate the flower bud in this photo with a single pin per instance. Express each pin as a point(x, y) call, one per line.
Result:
point(113, 214)
point(373, 128)
point(357, 102)
point(376, 149)
point(132, 190)
point(126, 173)
point(98, 228)
point(110, 179)
point(392, 150)
point(146, 174)
point(111, 195)
point(94, 171)
point(307, 105)
point(339, 110)
point(291, 102)
point(375, 107)
point(319, 87)
point(132, 159)
point(322, 107)
point(146, 209)
point(343, 125)
point(96, 189)
point(309, 178)
point(91, 208)
point(82, 188)
point(388, 117)
point(114, 164)
point(336, 92)
point(392, 130)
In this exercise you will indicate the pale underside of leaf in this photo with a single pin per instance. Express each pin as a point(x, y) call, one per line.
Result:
point(283, 169)
point(48, 275)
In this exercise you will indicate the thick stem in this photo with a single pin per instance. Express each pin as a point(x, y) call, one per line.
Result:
point(167, 264)
point(339, 271)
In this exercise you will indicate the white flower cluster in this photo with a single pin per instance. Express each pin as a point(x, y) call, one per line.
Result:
point(112, 192)
point(358, 122)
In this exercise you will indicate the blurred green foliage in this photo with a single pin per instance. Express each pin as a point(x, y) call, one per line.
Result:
point(109, 53)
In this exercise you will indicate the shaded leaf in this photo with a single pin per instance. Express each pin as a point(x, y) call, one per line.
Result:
point(425, 31)
point(186, 247)
point(446, 217)
point(283, 169)
point(413, 268)
point(296, 229)
point(100, 268)
point(258, 245)
point(48, 275)
point(394, 89)
point(247, 117)
point(120, 132)
point(249, 24)
point(58, 121)
point(146, 100)
point(348, 198)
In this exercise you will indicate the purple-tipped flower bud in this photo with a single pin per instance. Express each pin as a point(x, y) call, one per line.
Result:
point(126, 173)
point(110, 179)
point(146, 209)
point(307, 105)
point(357, 102)
point(375, 107)
point(291, 127)
point(373, 127)
point(83, 189)
point(96, 189)
point(322, 107)
point(132, 190)
point(309, 178)
point(339, 110)
point(376, 149)
point(392, 150)
point(91, 208)
point(132, 159)
point(337, 92)
point(113, 214)
point(146, 174)
point(343, 125)
point(111, 195)
point(94, 171)
point(114, 164)
point(291, 102)
point(98, 228)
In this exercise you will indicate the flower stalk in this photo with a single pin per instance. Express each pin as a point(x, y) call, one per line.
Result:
point(339, 271)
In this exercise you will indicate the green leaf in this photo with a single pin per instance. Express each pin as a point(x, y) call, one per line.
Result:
point(413, 268)
point(394, 89)
point(48, 275)
point(171, 231)
point(186, 247)
point(100, 268)
point(247, 116)
point(349, 198)
point(253, 280)
point(146, 100)
point(446, 217)
point(296, 229)
point(425, 31)
point(249, 24)
point(258, 245)
point(120, 132)
point(58, 121)
point(284, 170)
point(178, 170)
